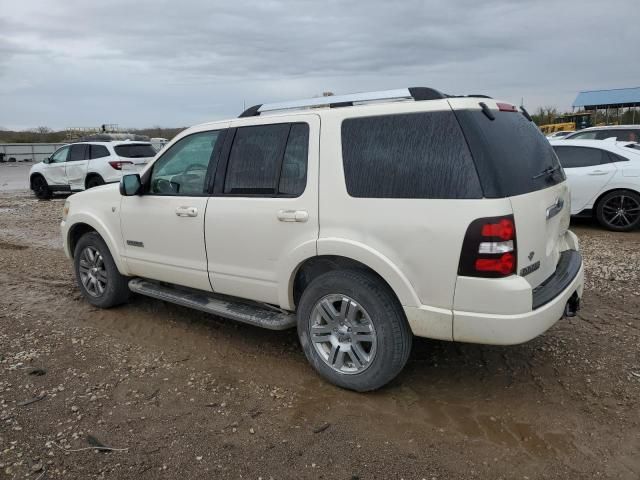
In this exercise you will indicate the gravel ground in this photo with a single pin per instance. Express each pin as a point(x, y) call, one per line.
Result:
point(179, 394)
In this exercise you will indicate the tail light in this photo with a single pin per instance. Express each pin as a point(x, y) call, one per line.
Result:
point(489, 248)
point(117, 164)
point(506, 107)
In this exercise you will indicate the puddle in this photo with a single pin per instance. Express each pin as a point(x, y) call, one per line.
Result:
point(11, 246)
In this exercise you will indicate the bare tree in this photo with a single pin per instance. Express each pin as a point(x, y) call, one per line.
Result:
point(43, 130)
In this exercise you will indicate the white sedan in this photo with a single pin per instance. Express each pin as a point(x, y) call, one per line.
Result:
point(604, 177)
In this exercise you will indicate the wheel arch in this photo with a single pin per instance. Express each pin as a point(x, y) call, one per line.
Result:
point(92, 175)
point(349, 255)
point(33, 176)
point(84, 225)
point(616, 188)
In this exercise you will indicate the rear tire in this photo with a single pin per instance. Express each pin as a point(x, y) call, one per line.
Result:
point(619, 210)
point(41, 188)
point(94, 181)
point(98, 277)
point(353, 330)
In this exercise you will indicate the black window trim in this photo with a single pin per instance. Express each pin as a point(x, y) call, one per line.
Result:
point(206, 191)
point(221, 173)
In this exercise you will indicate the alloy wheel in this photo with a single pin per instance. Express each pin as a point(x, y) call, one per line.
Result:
point(621, 211)
point(93, 273)
point(342, 334)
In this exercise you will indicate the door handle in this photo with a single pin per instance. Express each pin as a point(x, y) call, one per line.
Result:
point(187, 211)
point(293, 215)
point(598, 172)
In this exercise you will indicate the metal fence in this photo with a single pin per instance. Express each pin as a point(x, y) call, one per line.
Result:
point(27, 152)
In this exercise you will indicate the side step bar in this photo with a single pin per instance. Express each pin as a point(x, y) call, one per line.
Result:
point(244, 311)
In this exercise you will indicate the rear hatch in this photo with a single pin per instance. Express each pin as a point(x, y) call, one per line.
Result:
point(515, 161)
point(134, 156)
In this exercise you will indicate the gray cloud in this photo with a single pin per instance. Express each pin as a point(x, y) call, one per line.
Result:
point(167, 63)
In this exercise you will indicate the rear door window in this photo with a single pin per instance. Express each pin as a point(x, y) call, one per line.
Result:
point(135, 150)
point(268, 160)
point(416, 155)
point(293, 176)
point(79, 151)
point(99, 151)
point(577, 157)
point(510, 153)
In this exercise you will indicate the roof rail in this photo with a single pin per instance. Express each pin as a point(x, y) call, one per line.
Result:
point(334, 101)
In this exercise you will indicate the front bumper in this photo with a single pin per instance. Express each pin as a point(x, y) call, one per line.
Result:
point(511, 329)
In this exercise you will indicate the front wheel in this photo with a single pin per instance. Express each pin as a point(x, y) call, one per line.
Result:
point(41, 188)
point(99, 280)
point(353, 330)
point(619, 211)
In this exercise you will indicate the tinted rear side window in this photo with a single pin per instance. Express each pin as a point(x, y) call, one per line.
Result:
point(509, 152)
point(78, 152)
point(576, 157)
point(254, 161)
point(99, 151)
point(416, 155)
point(135, 150)
point(293, 177)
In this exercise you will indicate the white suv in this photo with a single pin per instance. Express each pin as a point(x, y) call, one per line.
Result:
point(361, 219)
point(83, 165)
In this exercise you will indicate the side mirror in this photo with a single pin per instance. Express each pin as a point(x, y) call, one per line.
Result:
point(130, 185)
point(47, 160)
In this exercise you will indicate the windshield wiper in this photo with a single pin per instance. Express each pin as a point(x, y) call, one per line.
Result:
point(547, 171)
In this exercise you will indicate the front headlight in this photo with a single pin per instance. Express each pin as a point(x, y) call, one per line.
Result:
point(65, 210)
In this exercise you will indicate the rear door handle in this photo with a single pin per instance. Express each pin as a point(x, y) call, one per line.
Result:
point(293, 215)
point(598, 172)
point(187, 211)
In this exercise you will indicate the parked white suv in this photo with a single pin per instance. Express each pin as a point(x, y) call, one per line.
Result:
point(83, 165)
point(360, 219)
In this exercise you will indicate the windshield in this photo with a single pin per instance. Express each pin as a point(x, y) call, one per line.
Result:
point(511, 155)
point(135, 150)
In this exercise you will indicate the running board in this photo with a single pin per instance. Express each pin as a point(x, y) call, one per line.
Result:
point(244, 311)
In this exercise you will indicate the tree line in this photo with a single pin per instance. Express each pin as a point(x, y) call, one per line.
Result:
point(45, 134)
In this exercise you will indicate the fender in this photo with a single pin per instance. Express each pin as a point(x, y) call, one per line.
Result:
point(113, 243)
point(374, 260)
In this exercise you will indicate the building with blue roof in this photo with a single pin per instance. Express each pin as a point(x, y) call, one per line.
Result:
point(612, 101)
point(613, 98)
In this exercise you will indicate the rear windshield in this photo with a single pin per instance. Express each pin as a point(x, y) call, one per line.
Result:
point(510, 153)
point(135, 150)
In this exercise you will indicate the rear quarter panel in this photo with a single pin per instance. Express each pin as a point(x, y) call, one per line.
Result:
point(414, 244)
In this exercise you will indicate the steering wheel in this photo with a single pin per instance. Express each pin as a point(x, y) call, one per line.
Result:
point(192, 166)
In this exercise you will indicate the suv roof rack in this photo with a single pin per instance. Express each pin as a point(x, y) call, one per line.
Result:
point(334, 101)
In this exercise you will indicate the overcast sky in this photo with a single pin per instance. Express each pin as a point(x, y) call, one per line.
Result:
point(178, 63)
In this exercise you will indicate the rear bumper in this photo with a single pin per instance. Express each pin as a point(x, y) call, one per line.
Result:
point(510, 329)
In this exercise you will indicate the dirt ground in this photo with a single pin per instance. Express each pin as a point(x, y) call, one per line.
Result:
point(184, 395)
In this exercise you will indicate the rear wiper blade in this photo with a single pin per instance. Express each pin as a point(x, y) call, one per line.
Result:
point(547, 171)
